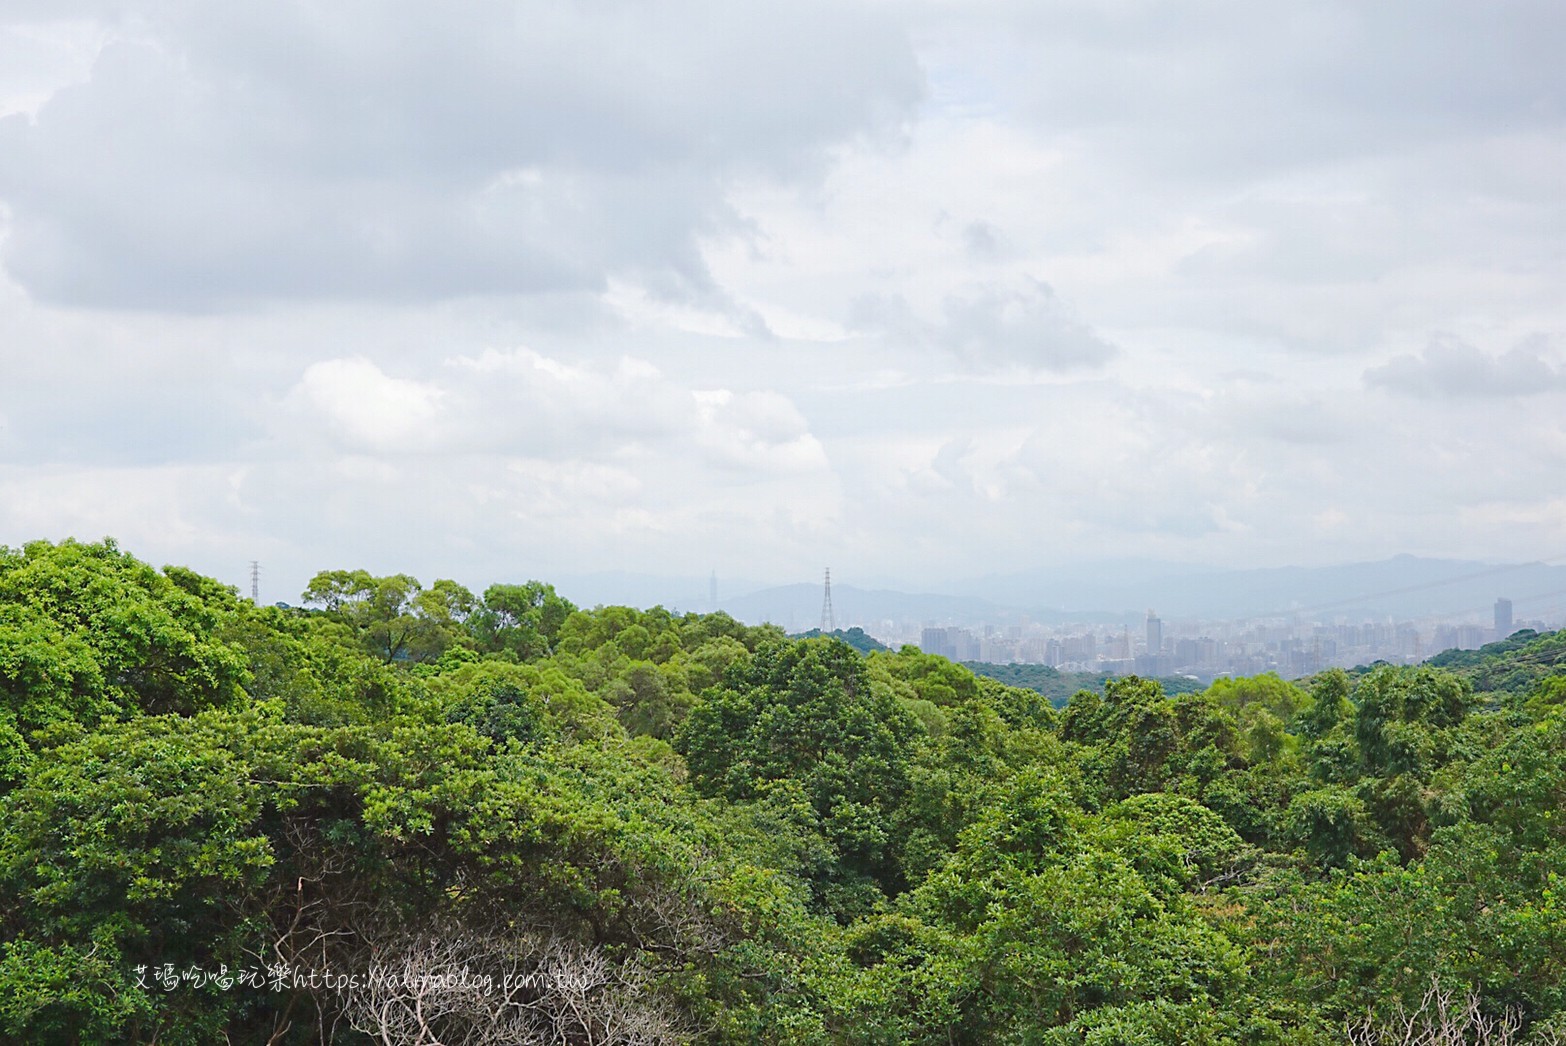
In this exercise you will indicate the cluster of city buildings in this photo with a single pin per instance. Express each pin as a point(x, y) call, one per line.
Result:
point(1205, 650)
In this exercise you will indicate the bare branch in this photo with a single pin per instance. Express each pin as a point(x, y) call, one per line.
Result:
point(452, 986)
point(1442, 1018)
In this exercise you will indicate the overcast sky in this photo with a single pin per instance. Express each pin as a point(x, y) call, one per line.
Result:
point(917, 290)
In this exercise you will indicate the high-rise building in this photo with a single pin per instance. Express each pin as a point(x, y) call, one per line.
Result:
point(1503, 617)
point(1081, 648)
point(1155, 633)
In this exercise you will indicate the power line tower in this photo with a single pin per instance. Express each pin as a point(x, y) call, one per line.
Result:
point(828, 626)
point(255, 582)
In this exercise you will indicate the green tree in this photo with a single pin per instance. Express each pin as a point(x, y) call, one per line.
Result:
point(1051, 925)
point(522, 621)
point(1329, 705)
point(394, 617)
point(803, 716)
point(1332, 824)
point(88, 633)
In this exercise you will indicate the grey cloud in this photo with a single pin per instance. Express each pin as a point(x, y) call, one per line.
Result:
point(993, 324)
point(984, 242)
point(948, 464)
point(1310, 425)
point(230, 152)
point(1451, 369)
point(1025, 323)
point(1231, 90)
point(1304, 422)
point(882, 313)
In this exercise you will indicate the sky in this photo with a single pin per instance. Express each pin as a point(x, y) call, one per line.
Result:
point(916, 290)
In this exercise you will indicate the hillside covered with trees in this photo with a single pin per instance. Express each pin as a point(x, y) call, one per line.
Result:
point(1060, 687)
point(416, 814)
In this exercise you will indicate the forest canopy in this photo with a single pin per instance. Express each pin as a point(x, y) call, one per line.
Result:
point(410, 813)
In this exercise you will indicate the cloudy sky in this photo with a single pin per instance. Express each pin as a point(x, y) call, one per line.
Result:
point(918, 290)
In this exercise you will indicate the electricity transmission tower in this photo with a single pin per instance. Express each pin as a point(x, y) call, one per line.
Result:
point(828, 626)
point(255, 582)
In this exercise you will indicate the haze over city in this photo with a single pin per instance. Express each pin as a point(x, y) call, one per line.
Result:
point(925, 291)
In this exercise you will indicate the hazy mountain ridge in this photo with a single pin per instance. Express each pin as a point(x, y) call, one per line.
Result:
point(797, 607)
point(1402, 586)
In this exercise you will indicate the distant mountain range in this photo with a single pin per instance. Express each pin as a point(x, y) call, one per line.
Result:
point(1401, 587)
point(798, 607)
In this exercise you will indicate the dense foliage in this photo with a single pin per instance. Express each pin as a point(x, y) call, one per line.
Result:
point(855, 637)
point(410, 814)
point(1060, 686)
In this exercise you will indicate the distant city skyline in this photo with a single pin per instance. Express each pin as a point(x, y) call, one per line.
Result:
point(1207, 650)
point(1293, 642)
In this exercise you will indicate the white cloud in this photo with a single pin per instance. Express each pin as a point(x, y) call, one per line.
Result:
point(548, 417)
point(522, 401)
point(368, 408)
point(756, 431)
